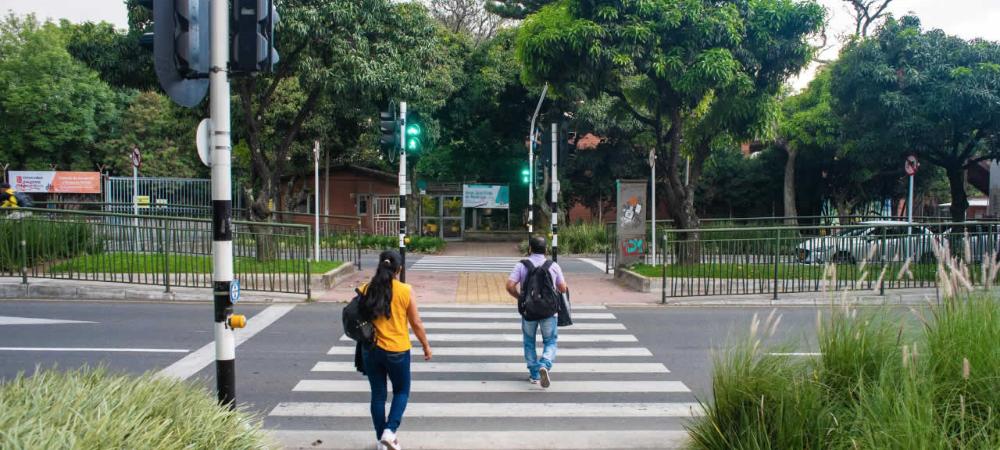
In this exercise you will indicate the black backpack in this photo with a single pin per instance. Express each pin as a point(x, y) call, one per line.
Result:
point(355, 326)
point(24, 200)
point(539, 299)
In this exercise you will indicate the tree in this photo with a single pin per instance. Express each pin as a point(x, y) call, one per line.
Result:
point(53, 109)
point(907, 91)
point(690, 71)
point(163, 131)
point(515, 9)
point(867, 13)
point(342, 56)
point(468, 17)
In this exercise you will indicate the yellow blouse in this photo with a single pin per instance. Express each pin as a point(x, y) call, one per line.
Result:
point(392, 334)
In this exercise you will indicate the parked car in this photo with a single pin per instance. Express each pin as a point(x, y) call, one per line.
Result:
point(884, 240)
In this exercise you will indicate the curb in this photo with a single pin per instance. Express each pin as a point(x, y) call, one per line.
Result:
point(336, 276)
point(73, 290)
point(632, 280)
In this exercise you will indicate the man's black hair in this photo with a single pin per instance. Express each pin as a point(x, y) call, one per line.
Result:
point(4, 185)
point(537, 245)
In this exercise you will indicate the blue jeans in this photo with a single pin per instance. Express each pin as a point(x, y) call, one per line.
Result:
point(396, 365)
point(550, 335)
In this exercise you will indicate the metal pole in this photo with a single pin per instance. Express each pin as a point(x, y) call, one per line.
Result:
point(135, 191)
point(402, 189)
point(555, 192)
point(222, 206)
point(909, 208)
point(652, 165)
point(316, 202)
point(531, 163)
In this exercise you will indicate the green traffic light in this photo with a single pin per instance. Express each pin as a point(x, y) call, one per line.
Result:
point(413, 130)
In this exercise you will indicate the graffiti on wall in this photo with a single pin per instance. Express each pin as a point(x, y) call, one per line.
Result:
point(633, 247)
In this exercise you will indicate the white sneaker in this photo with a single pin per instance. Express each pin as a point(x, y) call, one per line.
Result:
point(389, 440)
point(532, 380)
point(379, 446)
point(546, 380)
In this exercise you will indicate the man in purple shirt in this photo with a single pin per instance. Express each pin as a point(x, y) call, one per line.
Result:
point(538, 368)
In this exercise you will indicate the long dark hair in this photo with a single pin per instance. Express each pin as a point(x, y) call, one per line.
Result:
point(378, 296)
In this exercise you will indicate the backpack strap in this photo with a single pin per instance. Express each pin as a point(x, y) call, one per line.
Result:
point(528, 265)
point(548, 263)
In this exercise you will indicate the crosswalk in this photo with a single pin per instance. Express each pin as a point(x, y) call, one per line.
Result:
point(606, 387)
point(464, 264)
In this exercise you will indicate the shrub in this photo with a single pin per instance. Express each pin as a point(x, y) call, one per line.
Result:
point(880, 382)
point(45, 240)
point(89, 408)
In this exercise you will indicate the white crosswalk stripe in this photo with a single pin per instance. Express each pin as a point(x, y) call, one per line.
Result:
point(464, 264)
point(606, 376)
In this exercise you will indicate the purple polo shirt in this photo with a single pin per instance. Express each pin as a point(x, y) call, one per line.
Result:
point(520, 272)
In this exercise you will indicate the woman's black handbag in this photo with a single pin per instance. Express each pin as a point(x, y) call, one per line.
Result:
point(564, 319)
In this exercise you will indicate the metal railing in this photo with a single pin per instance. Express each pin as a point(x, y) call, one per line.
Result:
point(167, 251)
point(777, 260)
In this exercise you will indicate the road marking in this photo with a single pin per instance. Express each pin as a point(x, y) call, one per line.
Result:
point(491, 440)
point(503, 315)
point(513, 326)
point(193, 363)
point(500, 386)
point(597, 264)
point(518, 351)
point(329, 366)
point(499, 308)
point(796, 354)
point(94, 349)
point(520, 338)
point(10, 320)
point(518, 410)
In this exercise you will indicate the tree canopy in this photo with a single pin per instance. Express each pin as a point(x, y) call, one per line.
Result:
point(909, 91)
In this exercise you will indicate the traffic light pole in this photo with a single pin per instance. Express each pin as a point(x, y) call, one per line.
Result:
point(402, 189)
point(222, 207)
point(531, 163)
point(555, 192)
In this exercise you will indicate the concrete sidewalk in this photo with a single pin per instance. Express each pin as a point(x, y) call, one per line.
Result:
point(67, 289)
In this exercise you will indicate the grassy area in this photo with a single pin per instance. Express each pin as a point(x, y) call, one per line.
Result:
point(95, 409)
point(153, 263)
point(882, 381)
point(921, 272)
point(45, 240)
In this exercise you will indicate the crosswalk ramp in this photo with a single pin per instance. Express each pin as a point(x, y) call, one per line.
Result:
point(608, 391)
point(439, 264)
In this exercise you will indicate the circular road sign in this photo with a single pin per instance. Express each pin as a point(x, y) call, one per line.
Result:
point(911, 165)
point(136, 157)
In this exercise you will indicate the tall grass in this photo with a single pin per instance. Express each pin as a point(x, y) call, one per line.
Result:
point(927, 379)
point(94, 409)
point(584, 238)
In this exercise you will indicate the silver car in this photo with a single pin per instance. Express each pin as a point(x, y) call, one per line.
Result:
point(882, 240)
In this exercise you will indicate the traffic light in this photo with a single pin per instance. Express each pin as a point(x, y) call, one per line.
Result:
point(414, 133)
point(252, 35)
point(539, 174)
point(389, 126)
point(181, 44)
point(525, 176)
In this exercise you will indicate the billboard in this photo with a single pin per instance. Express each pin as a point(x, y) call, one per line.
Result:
point(631, 222)
point(485, 196)
point(49, 182)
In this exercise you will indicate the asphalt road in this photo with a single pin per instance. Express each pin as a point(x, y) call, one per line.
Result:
point(275, 363)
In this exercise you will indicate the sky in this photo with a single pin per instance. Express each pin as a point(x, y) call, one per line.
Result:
point(966, 18)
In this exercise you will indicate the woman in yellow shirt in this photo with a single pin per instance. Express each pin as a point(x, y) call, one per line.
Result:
point(389, 304)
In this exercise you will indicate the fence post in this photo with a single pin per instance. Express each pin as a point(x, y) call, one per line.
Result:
point(663, 279)
point(357, 245)
point(24, 256)
point(308, 264)
point(165, 245)
point(886, 260)
point(777, 250)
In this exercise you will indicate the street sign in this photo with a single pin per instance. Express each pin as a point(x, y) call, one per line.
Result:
point(136, 158)
point(203, 140)
point(652, 158)
point(911, 165)
point(234, 291)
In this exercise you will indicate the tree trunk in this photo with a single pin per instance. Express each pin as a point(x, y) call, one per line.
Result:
point(679, 195)
point(791, 212)
point(959, 199)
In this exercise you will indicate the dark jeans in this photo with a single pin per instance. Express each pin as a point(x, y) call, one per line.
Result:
point(396, 366)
